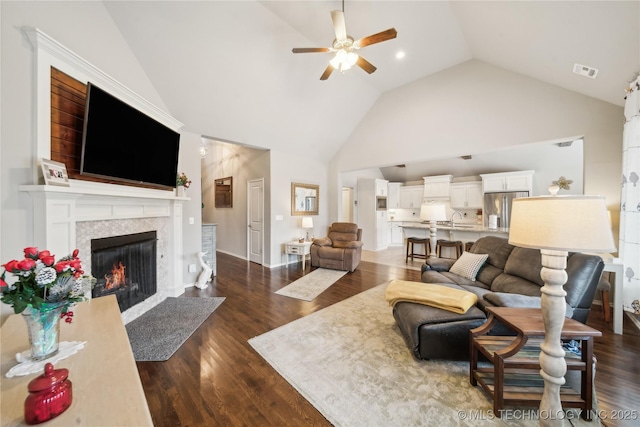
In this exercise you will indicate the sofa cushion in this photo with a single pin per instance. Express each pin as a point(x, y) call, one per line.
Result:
point(498, 249)
point(343, 231)
point(347, 244)
point(515, 285)
point(468, 265)
point(329, 252)
point(445, 277)
point(501, 299)
point(525, 263)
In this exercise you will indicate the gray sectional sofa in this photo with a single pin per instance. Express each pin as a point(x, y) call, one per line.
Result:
point(510, 277)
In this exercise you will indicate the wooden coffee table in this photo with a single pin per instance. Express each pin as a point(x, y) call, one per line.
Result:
point(514, 378)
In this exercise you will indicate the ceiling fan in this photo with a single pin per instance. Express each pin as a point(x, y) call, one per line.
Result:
point(344, 46)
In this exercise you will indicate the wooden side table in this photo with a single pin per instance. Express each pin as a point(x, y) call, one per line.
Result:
point(296, 248)
point(514, 378)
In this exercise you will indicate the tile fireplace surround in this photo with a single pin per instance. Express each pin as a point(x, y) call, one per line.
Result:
point(66, 218)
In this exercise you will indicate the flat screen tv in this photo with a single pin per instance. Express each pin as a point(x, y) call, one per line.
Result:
point(121, 143)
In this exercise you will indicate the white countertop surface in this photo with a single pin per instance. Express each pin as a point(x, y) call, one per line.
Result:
point(459, 227)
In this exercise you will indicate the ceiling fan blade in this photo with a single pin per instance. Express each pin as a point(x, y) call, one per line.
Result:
point(327, 73)
point(339, 27)
point(382, 36)
point(365, 65)
point(309, 49)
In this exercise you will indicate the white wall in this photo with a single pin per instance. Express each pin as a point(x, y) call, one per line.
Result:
point(476, 107)
point(189, 163)
point(285, 169)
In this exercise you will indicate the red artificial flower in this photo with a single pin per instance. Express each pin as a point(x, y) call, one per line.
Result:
point(43, 254)
point(3, 284)
point(75, 253)
point(48, 260)
point(26, 264)
point(31, 252)
point(60, 266)
point(11, 265)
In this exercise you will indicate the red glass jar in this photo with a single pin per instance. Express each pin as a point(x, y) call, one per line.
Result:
point(49, 395)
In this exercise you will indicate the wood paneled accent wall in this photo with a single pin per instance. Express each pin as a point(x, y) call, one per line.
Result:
point(68, 97)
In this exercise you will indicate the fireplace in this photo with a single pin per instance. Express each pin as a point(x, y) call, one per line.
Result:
point(125, 266)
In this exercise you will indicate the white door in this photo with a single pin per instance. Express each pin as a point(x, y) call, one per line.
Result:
point(347, 204)
point(255, 220)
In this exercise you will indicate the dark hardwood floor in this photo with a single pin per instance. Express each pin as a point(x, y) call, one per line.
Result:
point(216, 378)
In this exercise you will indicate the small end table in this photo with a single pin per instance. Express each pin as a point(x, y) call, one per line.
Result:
point(514, 378)
point(296, 248)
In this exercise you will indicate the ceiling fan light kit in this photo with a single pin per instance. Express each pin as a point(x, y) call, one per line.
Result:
point(344, 47)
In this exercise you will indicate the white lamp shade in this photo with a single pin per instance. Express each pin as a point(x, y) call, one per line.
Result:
point(562, 223)
point(307, 222)
point(433, 212)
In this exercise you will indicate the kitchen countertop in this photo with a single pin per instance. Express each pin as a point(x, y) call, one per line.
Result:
point(459, 227)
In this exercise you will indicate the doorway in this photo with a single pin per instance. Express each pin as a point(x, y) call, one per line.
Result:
point(255, 220)
point(347, 205)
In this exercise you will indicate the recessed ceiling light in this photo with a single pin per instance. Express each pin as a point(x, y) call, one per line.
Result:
point(400, 54)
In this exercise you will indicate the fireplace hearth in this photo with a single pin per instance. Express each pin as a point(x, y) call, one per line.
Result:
point(125, 266)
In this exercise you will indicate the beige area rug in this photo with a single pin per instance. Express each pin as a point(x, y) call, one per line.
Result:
point(351, 363)
point(312, 284)
point(393, 257)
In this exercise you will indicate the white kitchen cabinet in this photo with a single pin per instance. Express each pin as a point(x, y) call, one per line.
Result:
point(394, 234)
point(411, 196)
point(381, 187)
point(507, 181)
point(393, 199)
point(373, 222)
point(436, 187)
point(466, 195)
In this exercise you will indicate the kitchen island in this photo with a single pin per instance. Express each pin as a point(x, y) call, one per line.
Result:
point(465, 232)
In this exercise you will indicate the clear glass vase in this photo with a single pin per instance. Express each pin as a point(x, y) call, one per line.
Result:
point(43, 326)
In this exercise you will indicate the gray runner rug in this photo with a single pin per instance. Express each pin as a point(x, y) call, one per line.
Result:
point(312, 284)
point(159, 332)
point(350, 362)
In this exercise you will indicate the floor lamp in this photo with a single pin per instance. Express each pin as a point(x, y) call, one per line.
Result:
point(433, 212)
point(557, 225)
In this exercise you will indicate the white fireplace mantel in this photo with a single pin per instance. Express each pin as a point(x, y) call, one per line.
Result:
point(56, 211)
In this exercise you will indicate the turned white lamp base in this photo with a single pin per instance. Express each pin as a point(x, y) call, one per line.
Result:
point(433, 238)
point(552, 362)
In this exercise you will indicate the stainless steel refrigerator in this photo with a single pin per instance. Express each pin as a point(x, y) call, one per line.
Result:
point(499, 204)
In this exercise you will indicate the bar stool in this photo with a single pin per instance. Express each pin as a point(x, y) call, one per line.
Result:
point(468, 246)
point(441, 243)
point(411, 241)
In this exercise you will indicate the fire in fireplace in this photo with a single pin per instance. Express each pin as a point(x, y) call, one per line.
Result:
point(125, 266)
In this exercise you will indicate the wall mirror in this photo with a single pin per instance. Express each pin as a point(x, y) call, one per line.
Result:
point(304, 199)
point(223, 189)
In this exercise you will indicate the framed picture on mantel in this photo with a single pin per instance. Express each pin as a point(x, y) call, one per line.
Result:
point(54, 173)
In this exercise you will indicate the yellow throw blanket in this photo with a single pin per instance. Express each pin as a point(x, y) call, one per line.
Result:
point(438, 296)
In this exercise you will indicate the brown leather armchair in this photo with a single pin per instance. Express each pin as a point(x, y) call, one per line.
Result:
point(340, 250)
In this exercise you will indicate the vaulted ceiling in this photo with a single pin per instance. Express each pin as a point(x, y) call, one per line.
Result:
point(225, 68)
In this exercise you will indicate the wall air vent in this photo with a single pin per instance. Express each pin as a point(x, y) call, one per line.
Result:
point(467, 157)
point(565, 144)
point(586, 71)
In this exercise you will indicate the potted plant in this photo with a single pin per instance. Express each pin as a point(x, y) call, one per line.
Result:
point(182, 183)
point(44, 291)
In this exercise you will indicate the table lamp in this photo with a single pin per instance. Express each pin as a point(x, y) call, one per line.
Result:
point(307, 222)
point(557, 225)
point(433, 212)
